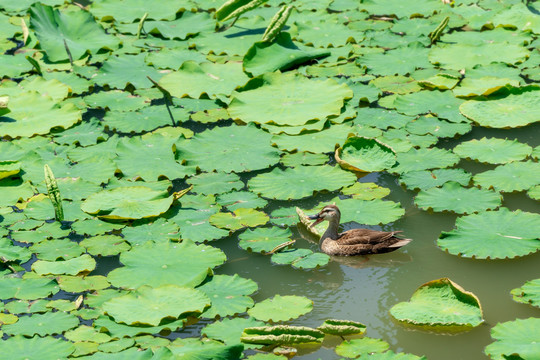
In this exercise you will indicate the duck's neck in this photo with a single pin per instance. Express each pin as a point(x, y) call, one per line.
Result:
point(332, 231)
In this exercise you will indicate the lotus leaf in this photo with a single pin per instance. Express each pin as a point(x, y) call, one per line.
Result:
point(400, 61)
point(515, 110)
point(322, 33)
point(8, 319)
point(440, 305)
point(366, 191)
point(241, 199)
point(191, 348)
point(134, 202)
point(9, 168)
point(159, 231)
point(116, 346)
point(146, 119)
point(160, 302)
point(300, 258)
point(115, 100)
point(493, 235)
point(528, 293)
point(77, 284)
point(397, 84)
point(442, 104)
point(440, 128)
point(423, 159)
point(515, 176)
point(105, 245)
point(229, 295)
point(132, 353)
point(440, 81)
point(319, 142)
point(342, 327)
point(300, 182)
point(105, 323)
point(493, 150)
point(162, 263)
point(453, 197)
point(281, 308)
point(303, 158)
point(55, 249)
point(400, 9)
point(215, 183)
point(483, 86)
point(390, 355)
point(119, 71)
point(238, 219)
point(371, 212)
point(213, 149)
point(94, 227)
point(128, 11)
point(288, 99)
point(281, 335)
point(365, 155)
point(355, 347)
point(189, 24)
point(62, 305)
point(194, 225)
point(27, 289)
point(229, 330)
point(13, 192)
point(263, 240)
point(427, 179)
point(27, 307)
point(519, 339)
point(82, 264)
point(284, 216)
point(42, 324)
point(10, 252)
point(20, 348)
point(534, 192)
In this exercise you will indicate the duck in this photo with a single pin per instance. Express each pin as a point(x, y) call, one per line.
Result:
point(355, 241)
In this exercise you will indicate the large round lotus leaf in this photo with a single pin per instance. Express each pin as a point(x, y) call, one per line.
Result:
point(518, 339)
point(300, 258)
point(133, 202)
point(76, 284)
point(322, 33)
point(230, 330)
point(281, 308)
point(238, 219)
point(75, 30)
point(423, 159)
point(434, 126)
point(493, 150)
point(510, 177)
point(84, 263)
point(440, 305)
point(56, 248)
point(228, 295)
point(263, 240)
point(512, 111)
point(318, 142)
point(42, 324)
point(116, 346)
point(159, 303)
point(27, 289)
point(355, 347)
point(13, 192)
point(159, 231)
point(194, 79)
point(400, 61)
point(425, 179)
point(528, 293)
point(215, 183)
point(303, 158)
point(93, 227)
point(300, 182)
point(232, 148)
point(442, 104)
point(241, 199)
point(116, 100)
point(365, 155)
point(453, 197)
point(493, 235)
point(105, 245)
point(194, 225)
point(49, 348)
point(289, 99)
point(33, 113)
point(155, 264)
point(281, 335)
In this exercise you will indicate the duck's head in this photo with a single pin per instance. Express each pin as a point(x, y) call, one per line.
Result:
point(329, 213)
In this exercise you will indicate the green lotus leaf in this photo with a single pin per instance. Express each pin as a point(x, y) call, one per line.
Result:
point(321, 33)
point(229, 330)
point(145, 119)
point(62, 305)
point(148, 341)
point(37, 234)
point(342, 327)
point(7, 319)
point(229, 295)
point(11, 252)
point(493, 150)
point(86, 333)
point(55, 249)
point(288, 99)
point(423, 159)
point(319, 142)
point(512, 111)
point(128, 11)
point(192, 349)
point(281, 308)
point(483, 86)
point(442, 104)
point(215, 183)
point(371, 212)
point(115, 100)
point(189, 24)
point(163, 263)
point(515, 176)
point(119, 71)
point(285, 216)
point(425, 179)
point(214, 149)
point(173, 58)
point(365, 155)
point(116, 346)
point(76, 188)
point(75, 30)
point(93, 227)
point(300, 258)
point(76, 284)
point(440, 81)
point(42, 324)
point(160, 303)
point(9, 168)
point(27, 289)
point(27, 306)
point(32, 113)
point(300, 182)
point(105, 245)
point(238, 219)
point(281, 335)
point(528, 293)
point(12, 192)
point(48, 347)
point(400, 61)
point(440, 305)
point(194, 79)
point(453, 197)
point(519, 339)
point(241, 199)
point(194, 225)
point(263, 240)
point(160, 230)
point(398, 8)
point(105, 323)
point(132, 353)
point(534, 192)
point(440, 128)
point(53, 88)
point(390, 355)
point(134, 202)
point(303, 158)
point(397, 84)
point(355, 347)
point(84, 263)
point(366, 191)
point(493, 235)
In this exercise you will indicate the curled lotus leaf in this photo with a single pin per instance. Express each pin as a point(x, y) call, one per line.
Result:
point(342, 327)
point(281, 335)
point(515, 339)
point(440, 305)
point(365, 155)
point(493, 150)
point(9, 168)
point(528, 293)
point(281, 308)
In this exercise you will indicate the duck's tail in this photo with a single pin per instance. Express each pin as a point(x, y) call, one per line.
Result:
point(400, 243)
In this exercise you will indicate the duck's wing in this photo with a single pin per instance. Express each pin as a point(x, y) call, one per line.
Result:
point(364, 236)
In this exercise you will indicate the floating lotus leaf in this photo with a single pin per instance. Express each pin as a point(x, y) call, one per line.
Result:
point(300, 258)
point(440, 305)
point(42, 324)
point(281, 335)
point(366, 191)
point(241, 199)
point(9, 168)
point(528, 293)
point(356, 347)
point(440, 128)
point(134, 202)
point(194, 225)
point(84, 263)
point(442, 104)
point(284, 216)
point(288, 99)
point(191, 348)
point(300, 182)
point(10, 252)
point(342, 327)
point(130, 10)
point(229, 295)
point(238, 219)
point(423, 159)
point(534, 192)
point(105, 323)
point(214, 149)
point(119, 71)
point(263, 240)
point(229, 330)
point(116, 100)
point(427, 179)
point(146, 119)
point(76, 284)
point(399, 61)
point(27, 306)
point(365, 155)
point(160, 303)
point(27, 289)
point(390, 355)
point(400, 9)
point(303, 158)
point(56, 249)
point(493, 150)
point(105, 245)
point(116, 346)
point(182, 264)
point(515, 176)
point(519, 339)
point(13, 192)
point(440, 81)
point(173, 58)
point(365, 212)
point(159, 231)
point(397, 84)
point(49, 348)
point(215, 183)
point(453, 197)
point(281, 308)
point(319, 142)
point(322, 33)
point(94, 227)
point(483, 86)
point(493, 235)
point(189, 24)
point(512, 111)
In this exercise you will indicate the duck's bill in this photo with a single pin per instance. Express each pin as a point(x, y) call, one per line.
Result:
point(316, 218)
